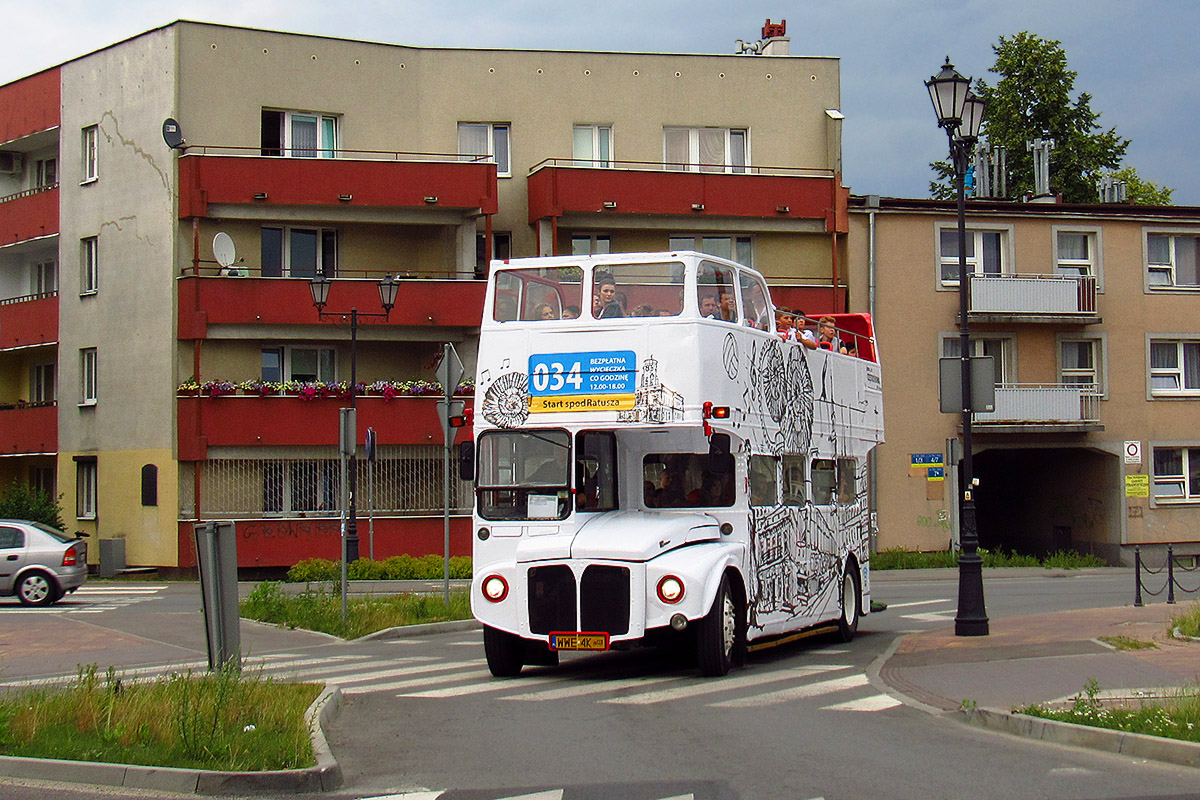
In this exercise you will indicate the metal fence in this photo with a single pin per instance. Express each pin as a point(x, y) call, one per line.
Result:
point(1170, 584)
point(1033, 294)
point(1062, 403)
point(407, 481)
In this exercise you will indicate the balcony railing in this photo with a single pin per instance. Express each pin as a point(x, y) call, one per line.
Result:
point(28, 428)
point(1034, 295)
point(1053, 404)
point(29, 215)
point(29, 320)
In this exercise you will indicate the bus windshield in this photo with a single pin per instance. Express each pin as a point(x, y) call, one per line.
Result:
point(524, 474)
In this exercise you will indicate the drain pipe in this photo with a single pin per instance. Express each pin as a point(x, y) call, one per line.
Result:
point(872, 459)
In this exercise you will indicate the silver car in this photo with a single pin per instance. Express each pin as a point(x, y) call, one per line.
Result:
point(38, 563)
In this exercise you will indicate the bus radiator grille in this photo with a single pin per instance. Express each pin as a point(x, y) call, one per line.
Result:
point(604, 599)
point(552, 599)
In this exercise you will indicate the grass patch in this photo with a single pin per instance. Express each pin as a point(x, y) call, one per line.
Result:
point(321, 610)
point(396, 568)
point(1128, 643)
point(1176, 717)
point(901, 558)
point(226, 720)
point(1188, 622)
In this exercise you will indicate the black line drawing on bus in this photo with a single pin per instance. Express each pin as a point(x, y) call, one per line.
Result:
point(653, 402)
point(506, 400)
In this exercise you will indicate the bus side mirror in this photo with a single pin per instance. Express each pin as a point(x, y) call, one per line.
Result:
point(720, 460)
point(466, 460)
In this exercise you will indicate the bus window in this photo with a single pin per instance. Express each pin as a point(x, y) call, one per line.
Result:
point(823, 481)
point(846, 484)
point(793, 480)
point(595, 471)
point(533, 295)
point(683, 480)
point(653, 289)
point(714, 292)
point(755, 307)
point(764, 486)
point(524, 474)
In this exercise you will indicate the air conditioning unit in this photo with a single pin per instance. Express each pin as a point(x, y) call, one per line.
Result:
point(10, 163)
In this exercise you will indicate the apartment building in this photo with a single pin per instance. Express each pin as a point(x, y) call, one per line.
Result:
point(1092, 317)
point(152, 379)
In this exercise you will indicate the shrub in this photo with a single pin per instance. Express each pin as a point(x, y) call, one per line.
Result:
point(23, 501)
point(314, 569)
point(395, 568)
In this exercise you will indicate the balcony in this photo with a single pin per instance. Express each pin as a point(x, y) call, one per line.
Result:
point(28, 215)
point(1043, 407)
point(1034, 298)
point(28, 321)
point(245, 184)
point(228, 300)
point(240, 420)
point(767, 198)
point(29, 429)
point(31, 105)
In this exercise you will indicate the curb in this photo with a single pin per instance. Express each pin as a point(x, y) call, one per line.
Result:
point(1138, 745)
point(324, 777)
point(426, 629)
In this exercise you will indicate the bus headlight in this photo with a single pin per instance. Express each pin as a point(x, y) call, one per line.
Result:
point(670, 589)
point(495, 588)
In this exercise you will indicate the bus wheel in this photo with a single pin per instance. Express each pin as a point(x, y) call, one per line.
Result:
point(848, 621)
point(505, 652)
point(717, 635)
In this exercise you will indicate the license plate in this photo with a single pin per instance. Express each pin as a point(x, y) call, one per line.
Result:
point(579, 641)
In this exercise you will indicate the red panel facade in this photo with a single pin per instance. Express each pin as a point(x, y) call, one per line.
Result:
point(29, 430)
point(323, 182)
point(814, 301)
point(554, 191)
point(288, 301)
point(281, 420)
point(29, 217)
point(29, 105)
point(29, 322)
point(283, 542)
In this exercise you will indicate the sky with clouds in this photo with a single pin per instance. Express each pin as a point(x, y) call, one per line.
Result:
point(1137, 58)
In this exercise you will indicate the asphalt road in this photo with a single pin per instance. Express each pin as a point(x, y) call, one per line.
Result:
point(800, 721)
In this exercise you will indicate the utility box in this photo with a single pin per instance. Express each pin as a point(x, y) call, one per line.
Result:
point(216, 555)
point(112, 557)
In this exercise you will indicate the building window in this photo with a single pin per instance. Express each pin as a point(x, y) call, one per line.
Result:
point(985, 254)
point(87, 376)
point(501, 251)
point(44, 480)
point(1177, 474)
point(1174, 367)
point(1080, 362)
point(1002, 349)
point(89, 265)
point(91, 143)
point(733, 248)
point(85, 488)
point(591, 146)
point(1076, 253)
point(43, 278)
point(45, 173)
point(299, 252)
point(299, 134)
point(590, 244)
point(281, 364)
point(706, 149)
point(41, 383)
point(486, 139)
point(1171, 261)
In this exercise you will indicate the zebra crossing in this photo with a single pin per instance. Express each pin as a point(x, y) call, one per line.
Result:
point(411, 673)
point(96, 599)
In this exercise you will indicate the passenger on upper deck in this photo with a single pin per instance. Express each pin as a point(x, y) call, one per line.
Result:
point(828, 338)
point(728, 310)
point(709, 307)
point(785, 324)
point(803, 335)
point(544, 311)
point(604, 304)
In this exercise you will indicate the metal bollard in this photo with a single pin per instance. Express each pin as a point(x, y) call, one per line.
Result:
point(1170, 575)
point(1137, 572)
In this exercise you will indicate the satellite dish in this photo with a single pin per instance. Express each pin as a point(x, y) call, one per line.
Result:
point(223, 250)
point(172, 133)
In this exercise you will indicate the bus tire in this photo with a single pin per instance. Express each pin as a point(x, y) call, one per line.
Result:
point(718, 633)
point(850, 600)
point(505, 652)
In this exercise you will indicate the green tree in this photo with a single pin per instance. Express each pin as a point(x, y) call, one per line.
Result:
point(1143, 193)
point(22, 501)
point(1035, 97)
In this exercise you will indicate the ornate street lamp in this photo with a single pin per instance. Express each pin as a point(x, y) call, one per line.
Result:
point(388, 288)
point(960, 113)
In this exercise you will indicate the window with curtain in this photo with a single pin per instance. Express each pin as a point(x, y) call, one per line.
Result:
point(1174, 367)
point(1079, 362)
point(299, 134)
point(591, 146)
point(486, 139)
point(1075, 253)
point(734, 248)
point(705, 149)
point(299, 252)
point(1001, 349)
point(1173, 261)
point(1177, 474)
point(985, 254)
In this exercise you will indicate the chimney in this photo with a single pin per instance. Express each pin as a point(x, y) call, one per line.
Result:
point(775, 41)
point(1041, 168)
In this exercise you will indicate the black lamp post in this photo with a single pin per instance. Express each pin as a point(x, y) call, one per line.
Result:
point(961, 113)
point(388, 287)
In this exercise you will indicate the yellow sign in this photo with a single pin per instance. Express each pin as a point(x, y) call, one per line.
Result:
point(581, 402)
point(1137, 485)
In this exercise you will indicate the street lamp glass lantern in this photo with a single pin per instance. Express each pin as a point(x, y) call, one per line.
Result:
point(388, 288)
point(948, 91)
point(319, 285)
point(972, 118)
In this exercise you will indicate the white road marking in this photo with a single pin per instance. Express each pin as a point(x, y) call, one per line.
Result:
point(932, 616)
point(798, 692)
point(877, 702)
point(697, 688)
point(594, 687)
point(892, 606)
point(483, 688)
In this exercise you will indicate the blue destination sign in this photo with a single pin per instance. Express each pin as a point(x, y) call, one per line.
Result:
point(608, 372)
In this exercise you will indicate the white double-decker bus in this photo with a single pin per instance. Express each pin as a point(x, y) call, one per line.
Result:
point(653, 459)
